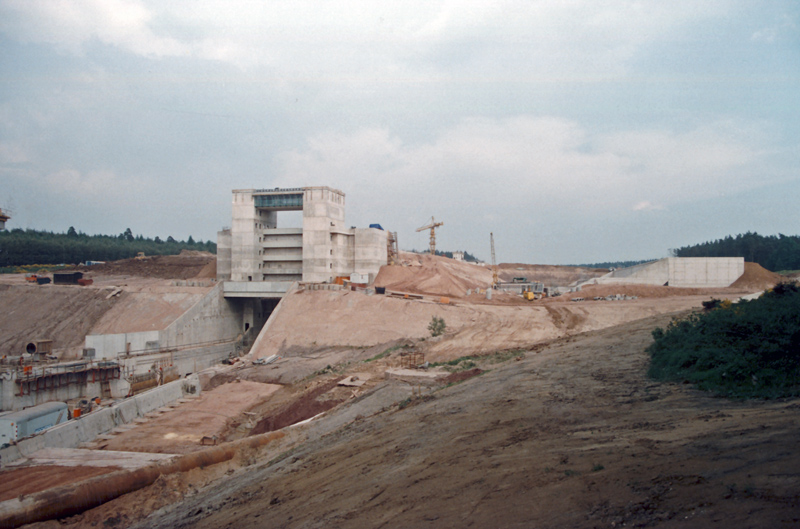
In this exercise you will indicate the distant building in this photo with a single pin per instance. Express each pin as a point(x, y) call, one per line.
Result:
point(257, 250)
point(458, 256)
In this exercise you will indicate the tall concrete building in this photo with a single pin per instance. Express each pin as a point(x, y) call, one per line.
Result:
point(258, 258)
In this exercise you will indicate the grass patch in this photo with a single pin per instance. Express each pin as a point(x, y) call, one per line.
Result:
point(385, 353)
point(750, 349)
point(464, 363)
point(328, 369)
point(31, 269)
point(414, 400)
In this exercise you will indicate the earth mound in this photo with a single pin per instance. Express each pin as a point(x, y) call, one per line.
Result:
point(187, 265)
point(756, 277)
point(433, 275)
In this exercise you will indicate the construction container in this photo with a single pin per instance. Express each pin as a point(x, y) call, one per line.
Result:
point(42, 280)
point(20, 424)
point(380, 290)
point(66, 278)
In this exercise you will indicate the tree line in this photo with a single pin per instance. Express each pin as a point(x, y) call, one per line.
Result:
point(20, 247)
point(775, 252)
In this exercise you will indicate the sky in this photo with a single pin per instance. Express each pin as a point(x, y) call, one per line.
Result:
point(574, 131)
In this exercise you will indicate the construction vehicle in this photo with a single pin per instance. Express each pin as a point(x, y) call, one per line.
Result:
point(432, 225)
point(495, 279)
point(535, 291)
point(140, 255)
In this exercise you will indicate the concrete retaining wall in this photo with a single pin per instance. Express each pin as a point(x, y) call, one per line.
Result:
point(88, 427)
point(687, 272)
point(211, 319)
point(704, 272)
point(111, 345)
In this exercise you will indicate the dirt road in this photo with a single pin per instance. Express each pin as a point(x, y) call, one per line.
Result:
point(570, 435)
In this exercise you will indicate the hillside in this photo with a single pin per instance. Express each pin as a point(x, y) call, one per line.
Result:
point(571, 434)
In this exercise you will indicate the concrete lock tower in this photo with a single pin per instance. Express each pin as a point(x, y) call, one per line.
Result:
point(258, 256)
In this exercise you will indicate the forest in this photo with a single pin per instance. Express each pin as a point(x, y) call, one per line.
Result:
point(776, 253)
point(23, 247)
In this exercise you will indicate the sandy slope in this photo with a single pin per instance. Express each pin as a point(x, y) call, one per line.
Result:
point(316, 319)
point(572, 435)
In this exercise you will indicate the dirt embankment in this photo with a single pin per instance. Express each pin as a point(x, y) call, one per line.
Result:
point(309, 320)
point(550, 275)
point(187, 265)
point(64, 314)
point(572, 435)
point(756, 277)
point(433, 275)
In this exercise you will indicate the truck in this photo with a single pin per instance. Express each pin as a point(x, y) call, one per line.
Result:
point(31, 421)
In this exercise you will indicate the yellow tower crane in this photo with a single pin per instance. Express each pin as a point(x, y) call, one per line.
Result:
point(432, 225)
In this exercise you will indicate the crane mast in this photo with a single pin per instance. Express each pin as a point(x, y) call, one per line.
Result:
point(494, 263)
point(432, 225)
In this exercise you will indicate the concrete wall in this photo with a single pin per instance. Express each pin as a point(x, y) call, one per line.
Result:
point(224, 255)
point(687, 272)
point(247, 224)
point(704, 272)
point(281, 254)
point(109, 346)
point(11, 400)
point(323, 249)
point(370, 250)
point(323, 215)
point(211, 319)
point(88, 427)
point(186, 361)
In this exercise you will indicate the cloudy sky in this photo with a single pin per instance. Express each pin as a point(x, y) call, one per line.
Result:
point(577, 131)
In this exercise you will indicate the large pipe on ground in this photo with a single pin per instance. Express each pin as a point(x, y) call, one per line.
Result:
point(69, 500)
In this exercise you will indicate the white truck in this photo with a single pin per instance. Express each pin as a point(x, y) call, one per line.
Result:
point(31, 421)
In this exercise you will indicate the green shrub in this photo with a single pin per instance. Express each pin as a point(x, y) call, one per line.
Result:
point(750, 349)
point(437, 326)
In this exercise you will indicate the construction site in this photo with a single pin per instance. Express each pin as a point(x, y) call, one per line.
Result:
point(299, 378)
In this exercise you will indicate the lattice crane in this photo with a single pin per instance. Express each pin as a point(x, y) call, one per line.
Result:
point(432, 225)
point(495, 280)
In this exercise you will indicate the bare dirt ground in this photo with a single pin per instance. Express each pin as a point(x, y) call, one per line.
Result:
point(26, 480)
point(187, 265)
point(433, 275)
point(555, 426)
point(180, 430)
point(59, 313)
point(550, 275)
point(569, 434)
point(313, 319)
point(146, 299)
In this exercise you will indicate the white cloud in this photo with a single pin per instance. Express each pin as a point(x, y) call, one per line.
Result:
point(646, 205)
point(526, 160)
point(769, 34)
point(72, 183)
point(13, 153)
point(345, 39)
point(71, 24)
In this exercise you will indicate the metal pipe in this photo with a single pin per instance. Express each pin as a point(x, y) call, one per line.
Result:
point(69, 500)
